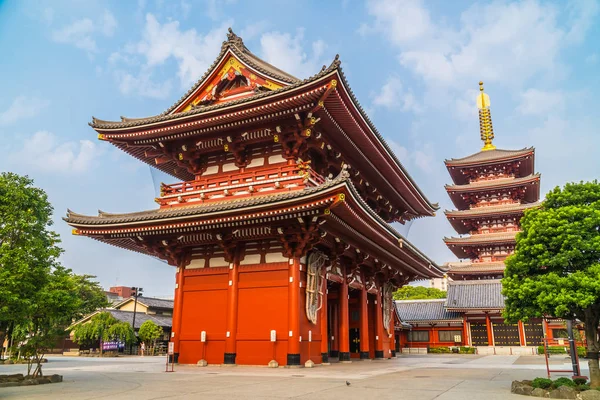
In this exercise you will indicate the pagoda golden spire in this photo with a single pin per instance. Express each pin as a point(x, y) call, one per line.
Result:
point(485, 120)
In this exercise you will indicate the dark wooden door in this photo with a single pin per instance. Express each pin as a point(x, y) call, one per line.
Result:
point(506, 334)
point(534, 333)
point(354, 340)
point(479, 335)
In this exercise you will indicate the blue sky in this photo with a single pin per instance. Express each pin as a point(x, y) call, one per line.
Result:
point(414, 66)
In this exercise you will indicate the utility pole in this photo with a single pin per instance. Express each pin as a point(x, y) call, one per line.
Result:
point(137, 291)
point(573, 348)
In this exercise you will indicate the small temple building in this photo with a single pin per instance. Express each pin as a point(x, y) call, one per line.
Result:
point(279, 222)
point(491, 190)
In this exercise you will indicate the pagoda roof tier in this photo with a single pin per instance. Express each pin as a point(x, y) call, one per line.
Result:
point(475, 295)
point(531, 183)
point(459, 245)
point(325, 97)
point(328, 207)
point(472, 269)
point(459, 218)
point(484, 158)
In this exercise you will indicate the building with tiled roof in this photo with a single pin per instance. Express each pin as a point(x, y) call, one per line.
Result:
point(285, 200)
point(470, 315)
point(491, 191)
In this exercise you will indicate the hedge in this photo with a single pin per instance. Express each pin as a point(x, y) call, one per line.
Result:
point(581, 351)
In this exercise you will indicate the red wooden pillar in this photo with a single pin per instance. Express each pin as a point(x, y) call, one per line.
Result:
point(232, 311)
point(433, 337)
point(488, 324)
point(177, 310)
point(522, 338)
point(324, 322)
point(293, 356)
point(393, 329)
point(364, 324)
point(465, 339)
point(335, 337)
point(344, 328)
point(378, 325)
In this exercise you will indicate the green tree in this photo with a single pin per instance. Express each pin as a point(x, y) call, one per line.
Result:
point(104, 327)
point(418, 293)
point(28, 248)
point(556, 266)
point(149, 333)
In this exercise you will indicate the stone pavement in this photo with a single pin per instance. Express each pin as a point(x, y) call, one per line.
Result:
point(443, 377)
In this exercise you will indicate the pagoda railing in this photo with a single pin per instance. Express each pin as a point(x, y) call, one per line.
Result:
point(254, 182)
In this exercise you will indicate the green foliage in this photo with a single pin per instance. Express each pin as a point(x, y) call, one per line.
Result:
point(564, 381)
point(149, 332)
point(553, 350)
point(543, 383)
point(556, 266)
point(580, 381)
point(418, 293)
point(466, 350)
point(39, 298)
point(440, 350)
point(103, 326)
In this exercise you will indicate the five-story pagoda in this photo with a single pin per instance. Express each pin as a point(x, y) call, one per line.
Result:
point(279, 228)
point(491, 190)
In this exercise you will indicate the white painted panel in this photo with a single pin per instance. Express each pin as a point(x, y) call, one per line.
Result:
point(211, 170)
point(276, 159)
point(275, 257)
point(197, 263)
point(218, 262)
point(229, 167)
point(256, 162)
point(251, 259)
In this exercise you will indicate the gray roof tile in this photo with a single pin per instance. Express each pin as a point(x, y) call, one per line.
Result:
point(127, 316)
point(482, 294)
point(412, 311)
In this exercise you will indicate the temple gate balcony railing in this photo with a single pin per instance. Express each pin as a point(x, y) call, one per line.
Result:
point(255, 182)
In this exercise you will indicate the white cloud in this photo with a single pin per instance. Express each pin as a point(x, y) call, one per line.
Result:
point(539, 102)
point(109, 24)
point(193, 52)
point(254, 29)
point(500, 42)
point(422, 158)
point(393, 96)
point(43, 152)
point(22, 107)
point(286, 53)
point(82, 33)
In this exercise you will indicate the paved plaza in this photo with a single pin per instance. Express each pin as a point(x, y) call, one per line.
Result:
point(441, 377)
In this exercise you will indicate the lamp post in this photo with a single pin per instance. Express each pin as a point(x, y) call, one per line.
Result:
point(136, 291)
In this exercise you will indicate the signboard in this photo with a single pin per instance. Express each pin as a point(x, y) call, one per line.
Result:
point(561, 342)
point(457, 339)
point(171, 349)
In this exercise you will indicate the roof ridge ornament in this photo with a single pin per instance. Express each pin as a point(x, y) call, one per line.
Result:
point(486, 129)
point(235, 40)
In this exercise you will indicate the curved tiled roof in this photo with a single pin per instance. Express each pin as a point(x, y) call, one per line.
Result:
point(483, 238)
point(474, 268)
point(482, 294)
point(412, 311)
point(493, 184)
point(490, 156)
point(494, 210)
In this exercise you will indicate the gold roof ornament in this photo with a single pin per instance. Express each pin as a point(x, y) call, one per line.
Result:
point(485, 120)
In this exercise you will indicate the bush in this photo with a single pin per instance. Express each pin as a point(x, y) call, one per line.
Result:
point(542, 383)
point(439, 350)
point(581, 352)
point(553, 350)
point(583, 388)
point(466, 350)
point(580, 381)
point(564, 381)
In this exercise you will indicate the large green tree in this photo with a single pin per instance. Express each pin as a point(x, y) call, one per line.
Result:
point(28, 248)
point(418, 293)
point(104, 327)
point(556, 266)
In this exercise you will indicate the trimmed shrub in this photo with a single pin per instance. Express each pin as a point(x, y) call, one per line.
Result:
point(553, 350)
point(466, 350)
point(542, 383)
point(583, 388)
point(440, 350)
point(581, 352)
point(564, 381)
point(580, 381)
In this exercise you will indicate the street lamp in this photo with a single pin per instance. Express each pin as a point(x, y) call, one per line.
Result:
point(136, 291)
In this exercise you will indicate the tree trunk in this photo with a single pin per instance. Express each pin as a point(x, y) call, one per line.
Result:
point(592, 318)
